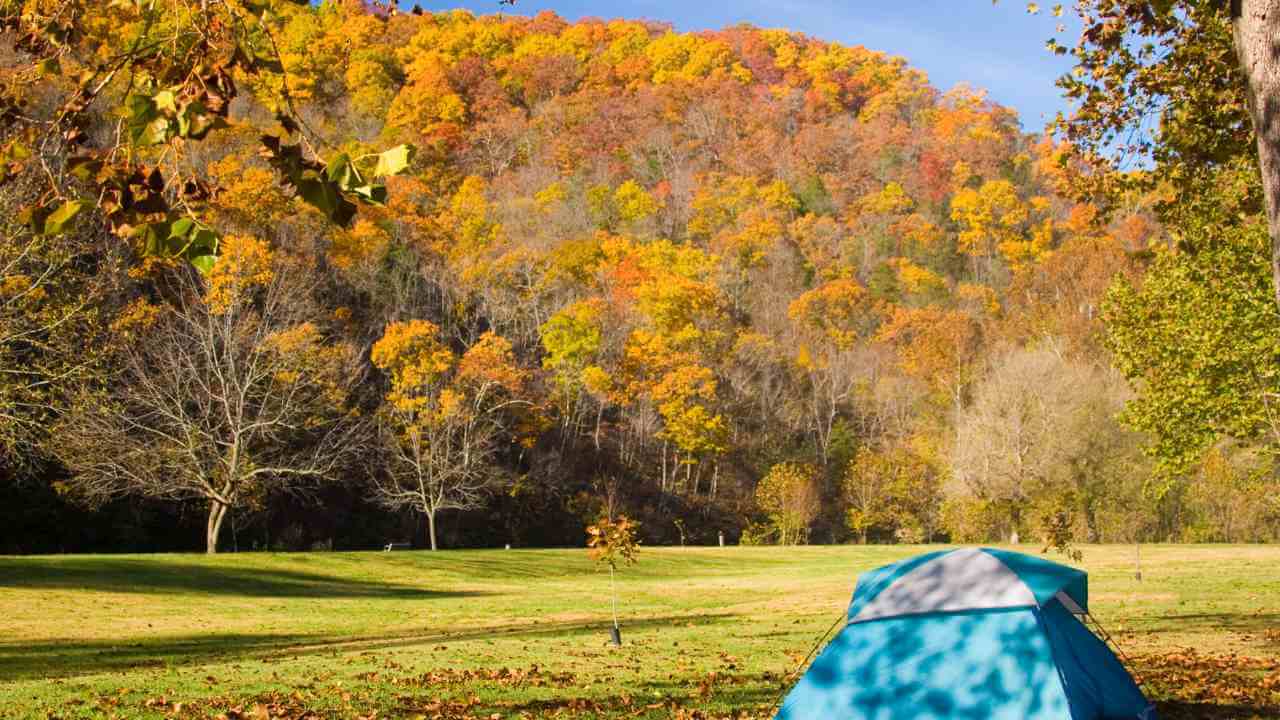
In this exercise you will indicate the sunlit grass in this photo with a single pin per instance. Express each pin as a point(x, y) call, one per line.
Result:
point(348, 633)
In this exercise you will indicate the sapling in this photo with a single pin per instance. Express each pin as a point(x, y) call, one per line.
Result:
point(613, 542)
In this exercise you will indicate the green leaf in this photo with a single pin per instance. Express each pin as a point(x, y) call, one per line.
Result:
point(58, 219)
point(204, 263)
point(83, 168)
point(165, 101)
point(203, 242)
point(156, 132)
point(341, 171)
point(49, 66)
point(181, 228)
point(325, 196)
point(147, 125)
point(139, 111)
point(373, 193)
point(153, 236)
point(33, 217)
point(394, 161)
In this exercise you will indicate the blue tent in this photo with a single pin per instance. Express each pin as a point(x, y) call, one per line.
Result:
point(981, 634)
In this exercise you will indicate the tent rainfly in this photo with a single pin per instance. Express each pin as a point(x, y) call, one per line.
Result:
point(972, 633)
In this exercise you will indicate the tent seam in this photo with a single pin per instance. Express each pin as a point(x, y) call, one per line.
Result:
point(1057, 666)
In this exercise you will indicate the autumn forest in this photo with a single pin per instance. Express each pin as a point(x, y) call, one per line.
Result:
point(284, 276)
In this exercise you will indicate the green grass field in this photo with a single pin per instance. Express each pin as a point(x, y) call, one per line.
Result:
point(707, 632)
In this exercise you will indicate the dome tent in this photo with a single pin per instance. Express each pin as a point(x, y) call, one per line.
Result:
point(972, 633)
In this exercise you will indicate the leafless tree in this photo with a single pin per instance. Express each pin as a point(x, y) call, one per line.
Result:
point(835, 382)
point(216, 404)
point(51, 334)
point(1019, 430)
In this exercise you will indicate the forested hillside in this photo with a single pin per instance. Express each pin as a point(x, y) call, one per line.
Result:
point(742, 281)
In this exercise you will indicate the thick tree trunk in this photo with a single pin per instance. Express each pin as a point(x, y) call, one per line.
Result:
point(217, 511)
point(1257, 39)
point(431, 528)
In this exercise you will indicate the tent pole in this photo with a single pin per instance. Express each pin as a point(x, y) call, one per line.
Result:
point(1106, 638)
point(786, 680)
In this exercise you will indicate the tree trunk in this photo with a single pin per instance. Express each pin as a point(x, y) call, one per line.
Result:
point(431, 528)
point(1257, 39)
point(217, 511)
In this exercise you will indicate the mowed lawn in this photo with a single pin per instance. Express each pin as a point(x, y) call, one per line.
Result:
point(708, 632)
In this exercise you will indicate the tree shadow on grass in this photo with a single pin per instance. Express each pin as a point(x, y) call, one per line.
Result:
point(1246, 622)
point(57, 659)
point(1176, 710)
point(66, 658)
point(146, 576)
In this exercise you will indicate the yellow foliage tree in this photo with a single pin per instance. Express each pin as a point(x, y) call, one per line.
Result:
point(788, 494)
point(245, 264)
point(991, 216)
point(633, 202)
point(443, 419)
point(935, 345)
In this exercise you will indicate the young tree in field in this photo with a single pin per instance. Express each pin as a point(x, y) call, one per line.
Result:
point(220, 397)
point(444, 419)
point(788, 494)
point(613, 542)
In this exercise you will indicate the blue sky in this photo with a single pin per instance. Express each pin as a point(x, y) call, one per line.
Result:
point(999, 48)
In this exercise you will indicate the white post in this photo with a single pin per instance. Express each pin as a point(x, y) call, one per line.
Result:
point(614, 588)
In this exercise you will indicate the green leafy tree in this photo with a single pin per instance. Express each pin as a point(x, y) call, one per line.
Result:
point(893, 492)
point(1201, 375)
point(788, 494)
